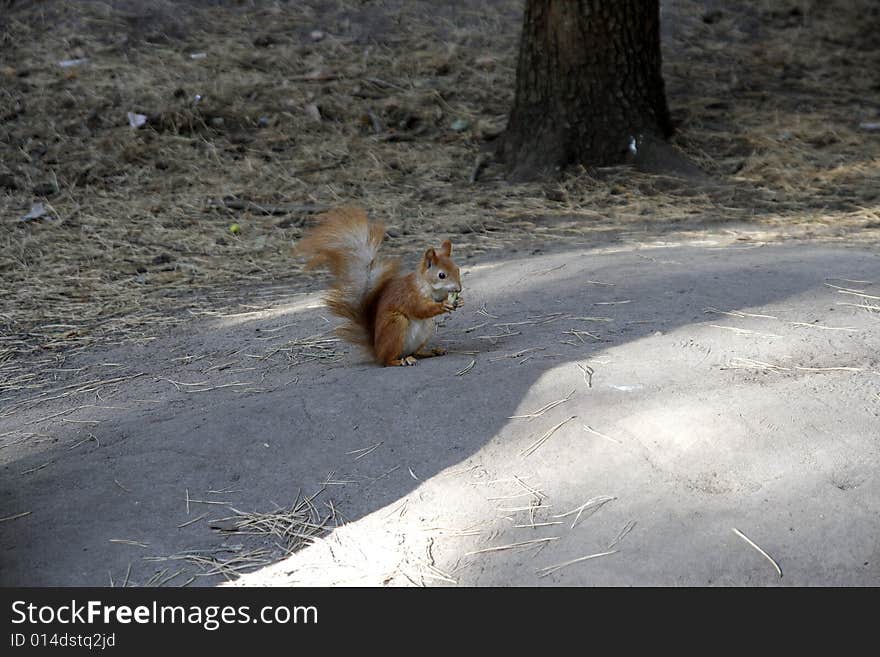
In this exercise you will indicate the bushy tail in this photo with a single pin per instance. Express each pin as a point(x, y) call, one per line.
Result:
point(347, 244)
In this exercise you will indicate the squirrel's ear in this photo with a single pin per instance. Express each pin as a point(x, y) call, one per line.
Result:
point(430, 257)
point(447, 248)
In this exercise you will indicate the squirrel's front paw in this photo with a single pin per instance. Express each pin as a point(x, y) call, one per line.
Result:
point(452, 302)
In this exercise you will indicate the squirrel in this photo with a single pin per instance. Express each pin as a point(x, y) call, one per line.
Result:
point(390, 313)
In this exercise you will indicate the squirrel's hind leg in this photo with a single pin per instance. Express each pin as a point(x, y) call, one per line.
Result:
point(421, 352)
point(389, 338)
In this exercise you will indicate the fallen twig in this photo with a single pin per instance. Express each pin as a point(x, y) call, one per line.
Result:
point(588, 374)
point(16, 516)
point(531, 449)
point(627, 528)
point(601, 435)
point(549, 570)
point(754, 545)
point(513, 546)
point(543, 409)
point(467, 369)
point(592, 505)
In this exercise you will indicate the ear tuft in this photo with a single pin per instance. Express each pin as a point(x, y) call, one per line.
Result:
point(446, 248)
point(430, 257)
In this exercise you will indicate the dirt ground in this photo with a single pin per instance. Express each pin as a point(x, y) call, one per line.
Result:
point(174, 409)
point(701, 388)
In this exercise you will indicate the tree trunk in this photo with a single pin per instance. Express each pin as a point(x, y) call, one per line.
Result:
point(588, 83)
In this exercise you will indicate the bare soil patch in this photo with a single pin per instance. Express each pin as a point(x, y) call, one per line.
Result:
point(256, 115)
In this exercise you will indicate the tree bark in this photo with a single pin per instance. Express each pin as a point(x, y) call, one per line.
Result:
point(588, 83)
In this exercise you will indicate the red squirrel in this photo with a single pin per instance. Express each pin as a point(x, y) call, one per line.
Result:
point(389, 313)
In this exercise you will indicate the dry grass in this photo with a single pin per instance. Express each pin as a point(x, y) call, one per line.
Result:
point(286, 529)
point(290, 528)
point(271, 125)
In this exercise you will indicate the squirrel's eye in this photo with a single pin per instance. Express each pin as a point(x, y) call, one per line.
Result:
point(441, 275)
